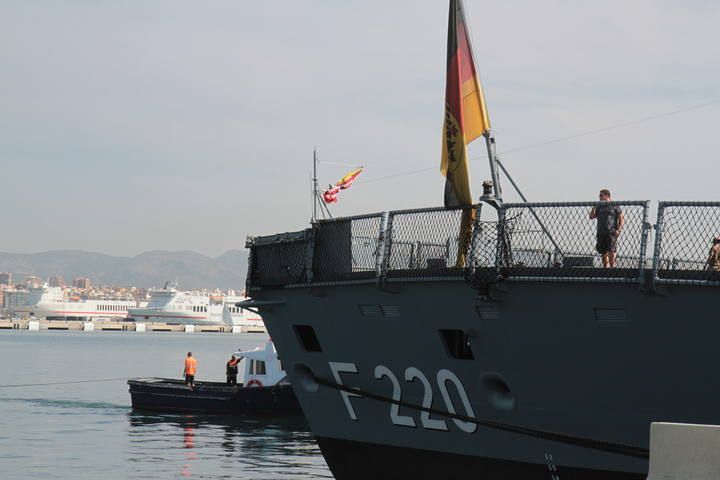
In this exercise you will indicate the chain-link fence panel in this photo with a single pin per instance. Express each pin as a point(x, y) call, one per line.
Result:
point(278, 260)
point(594, 240)
point(347, 248)
point(688, 242)
point(488, 250)
point(432, 242)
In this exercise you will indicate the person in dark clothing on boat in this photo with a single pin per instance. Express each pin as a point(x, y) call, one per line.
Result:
point(231, 370)
point(610, 222)
point(713, 261)
point(189, 370)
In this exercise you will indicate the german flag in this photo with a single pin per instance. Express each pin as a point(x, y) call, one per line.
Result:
point(466, 116)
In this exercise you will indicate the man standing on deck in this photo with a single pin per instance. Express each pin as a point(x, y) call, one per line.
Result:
point(610, 222)
point(190, 369)
point(231, 370)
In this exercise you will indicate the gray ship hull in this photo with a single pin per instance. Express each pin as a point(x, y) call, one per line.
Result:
point(425, 344)
point(599, 361)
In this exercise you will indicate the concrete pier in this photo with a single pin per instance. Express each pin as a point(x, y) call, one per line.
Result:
point(117, 326)
point(684, 452)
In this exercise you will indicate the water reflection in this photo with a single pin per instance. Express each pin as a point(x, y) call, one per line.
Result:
point(199, 446)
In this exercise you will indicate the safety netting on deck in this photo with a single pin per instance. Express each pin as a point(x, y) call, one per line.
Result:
point(569, 240)
point(347, 248)
point(528, 241)
point(431, 242)
point(688, 243)
point(278, 260)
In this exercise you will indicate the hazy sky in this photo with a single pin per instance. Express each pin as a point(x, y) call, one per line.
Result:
point(138, 125)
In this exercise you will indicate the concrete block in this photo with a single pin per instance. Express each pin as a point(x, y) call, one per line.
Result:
point(680, 451)
point(88, 327)
point(237, 329)
point(189, 328)
point(139, 327)
point(34, 326)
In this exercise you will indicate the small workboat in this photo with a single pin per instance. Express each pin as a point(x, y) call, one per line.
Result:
point(263, 389)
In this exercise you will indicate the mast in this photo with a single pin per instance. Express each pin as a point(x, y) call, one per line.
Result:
point(492, 157)
point(314, 187)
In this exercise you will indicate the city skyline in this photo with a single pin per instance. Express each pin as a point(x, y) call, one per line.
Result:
point(177, 126)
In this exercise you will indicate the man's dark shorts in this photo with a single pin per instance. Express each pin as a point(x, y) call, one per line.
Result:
point(189, 379)
point(606, 243)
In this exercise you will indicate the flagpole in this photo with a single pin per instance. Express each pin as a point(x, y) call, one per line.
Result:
point(492, 157)
point(314, 187)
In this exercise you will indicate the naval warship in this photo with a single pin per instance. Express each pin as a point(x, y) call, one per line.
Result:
point(487, 340)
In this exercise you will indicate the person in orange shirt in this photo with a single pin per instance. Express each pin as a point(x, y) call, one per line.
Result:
point(190, 369)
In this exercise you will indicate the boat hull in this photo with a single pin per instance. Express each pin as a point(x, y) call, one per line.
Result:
point(591, 361)
point(166, 395)
point(350, 460)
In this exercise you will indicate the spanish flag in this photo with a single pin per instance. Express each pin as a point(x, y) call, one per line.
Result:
point(330, 195)
point(466, 116)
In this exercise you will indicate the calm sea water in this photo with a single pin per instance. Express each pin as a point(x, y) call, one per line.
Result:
point(89, 430)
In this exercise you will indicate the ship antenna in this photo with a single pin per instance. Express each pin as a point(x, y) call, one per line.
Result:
point(316, 194)
point(314, 187)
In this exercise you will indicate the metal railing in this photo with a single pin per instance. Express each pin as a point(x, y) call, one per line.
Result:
point(428, 243)
point(279, 260)
point(684, 247)
point(560, 241)
point(347, 248)
point(528, 242)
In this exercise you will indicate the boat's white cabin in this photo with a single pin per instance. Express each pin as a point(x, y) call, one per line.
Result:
point(260, 367)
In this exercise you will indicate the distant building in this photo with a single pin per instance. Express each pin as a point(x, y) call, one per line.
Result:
point(56, 281)
point(5, 278)
point(81, 283)
point(33, 282)
point(14, 300)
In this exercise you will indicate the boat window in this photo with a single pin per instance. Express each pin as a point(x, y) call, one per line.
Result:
point(260, 367)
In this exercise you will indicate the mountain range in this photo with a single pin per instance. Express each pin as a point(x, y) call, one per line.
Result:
point(190, 270)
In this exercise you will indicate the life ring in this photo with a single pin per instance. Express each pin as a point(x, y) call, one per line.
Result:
point(254, 383)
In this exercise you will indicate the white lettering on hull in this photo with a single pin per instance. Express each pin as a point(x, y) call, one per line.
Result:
point(443, 377)
point(338, 368)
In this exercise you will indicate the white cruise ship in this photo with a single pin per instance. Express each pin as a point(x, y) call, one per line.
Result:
point(169, 305)
point(50, 303)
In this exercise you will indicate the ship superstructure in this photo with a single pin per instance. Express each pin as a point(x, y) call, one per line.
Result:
point(170, 305)
point(52, 303)
point(538, 364)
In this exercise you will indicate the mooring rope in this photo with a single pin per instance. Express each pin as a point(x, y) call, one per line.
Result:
point(62, 383)
point(610, 447)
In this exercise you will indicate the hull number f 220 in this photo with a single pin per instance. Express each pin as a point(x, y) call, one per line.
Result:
point(445, 379)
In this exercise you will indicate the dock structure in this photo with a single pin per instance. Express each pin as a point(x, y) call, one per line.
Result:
point(119, 326)
point(684, 452)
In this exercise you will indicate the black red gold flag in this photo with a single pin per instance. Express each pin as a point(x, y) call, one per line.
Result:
point(466, 116)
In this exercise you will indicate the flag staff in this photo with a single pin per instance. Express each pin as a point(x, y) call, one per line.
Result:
point(314, 187)
point(492, 157)
point(317, 194)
